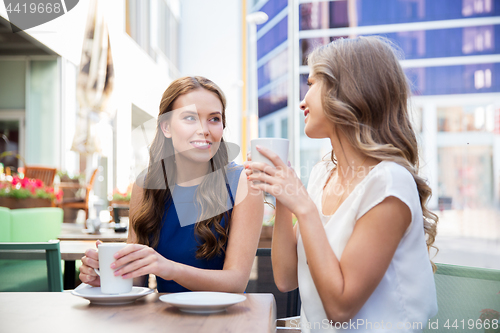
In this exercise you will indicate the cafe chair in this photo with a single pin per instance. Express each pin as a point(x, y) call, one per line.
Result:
point(30, 267)
point(46, 175)
point(81, 203)
point(468, 299)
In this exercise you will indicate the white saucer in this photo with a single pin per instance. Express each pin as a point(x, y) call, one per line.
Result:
point(203, 301)
point(95, 296)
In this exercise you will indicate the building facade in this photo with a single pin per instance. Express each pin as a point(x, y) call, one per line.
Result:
point(38, 83)
point(451, 58)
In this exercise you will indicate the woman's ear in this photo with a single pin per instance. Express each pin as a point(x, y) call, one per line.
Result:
point(165, 128)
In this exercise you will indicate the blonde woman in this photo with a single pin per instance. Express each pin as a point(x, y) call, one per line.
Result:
point(359, 252)
point(194, 221)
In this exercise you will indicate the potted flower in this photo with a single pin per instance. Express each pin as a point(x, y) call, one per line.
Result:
point(119, 201)
point(16, 192)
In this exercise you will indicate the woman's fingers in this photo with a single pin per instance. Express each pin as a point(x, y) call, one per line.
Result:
point(133, 266)
point(130, 248)
point(262, 167)
point(272, 156)
point(135, 252)
point(262, 177)
point(91, 262)
point(249, 156)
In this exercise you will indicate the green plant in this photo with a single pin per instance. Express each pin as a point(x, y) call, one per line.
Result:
point(121, 196)
point(65, 176)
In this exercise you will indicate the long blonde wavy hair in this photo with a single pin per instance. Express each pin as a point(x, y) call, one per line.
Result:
point(212, 193)
point(365, 95)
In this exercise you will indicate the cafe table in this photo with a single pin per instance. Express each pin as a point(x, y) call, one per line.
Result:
point(75, 232)
point(63, 312)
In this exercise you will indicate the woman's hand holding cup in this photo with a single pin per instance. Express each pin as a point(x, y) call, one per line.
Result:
point(90, 262)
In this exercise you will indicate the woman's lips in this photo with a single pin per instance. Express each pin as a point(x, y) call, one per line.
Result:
point(201, 145)
point(306, 112)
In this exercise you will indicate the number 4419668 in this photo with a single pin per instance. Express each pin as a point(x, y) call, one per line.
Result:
point(35, 8)
point(472, 324)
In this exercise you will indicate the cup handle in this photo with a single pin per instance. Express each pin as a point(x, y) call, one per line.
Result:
point(97, 271)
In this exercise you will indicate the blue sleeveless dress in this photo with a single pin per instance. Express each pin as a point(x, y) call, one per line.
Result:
point(178, 243)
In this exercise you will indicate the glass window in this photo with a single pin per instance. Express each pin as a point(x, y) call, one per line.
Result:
point(335, 14)
point(137, 18)
point(270, 130)
point(43, 115)
point(431, 43)
point(273, 100)
point(284, 128)
point(475, 118)
point(274, 37)
point(463, 79)
point(271, 8)
point(13, 89)
point(323, 15)
point(273, 69)
point(465, 176)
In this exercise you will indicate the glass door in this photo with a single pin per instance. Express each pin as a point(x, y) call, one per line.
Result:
point(12, 138)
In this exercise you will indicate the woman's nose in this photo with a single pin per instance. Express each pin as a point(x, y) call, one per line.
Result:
point(302, 104)
point(203, 128)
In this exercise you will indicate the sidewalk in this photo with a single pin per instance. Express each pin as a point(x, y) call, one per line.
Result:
point(469, 238)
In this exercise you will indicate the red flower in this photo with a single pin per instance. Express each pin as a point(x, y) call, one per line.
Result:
point(15, 180)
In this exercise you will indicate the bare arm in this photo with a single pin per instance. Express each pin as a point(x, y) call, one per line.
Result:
point(284, 250)
point(246, 224)
point(345, 286)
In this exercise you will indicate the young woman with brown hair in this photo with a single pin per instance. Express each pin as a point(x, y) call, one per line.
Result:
point(194, 221)
point(359, 252)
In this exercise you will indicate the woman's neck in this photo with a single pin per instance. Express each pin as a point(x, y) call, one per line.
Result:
point(190, 173)
point(350, 162)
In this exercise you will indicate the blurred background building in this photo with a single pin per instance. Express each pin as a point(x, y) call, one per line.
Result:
point(152, 43)
point(451, 57)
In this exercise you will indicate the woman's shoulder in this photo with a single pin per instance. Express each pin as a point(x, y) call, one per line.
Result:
point(394, 173)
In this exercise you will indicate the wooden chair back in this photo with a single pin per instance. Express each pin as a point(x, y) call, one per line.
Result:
point(90, 185)
point(46, 175)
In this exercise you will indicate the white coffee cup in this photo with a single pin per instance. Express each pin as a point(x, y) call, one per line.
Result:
point(111, 284)
point(276, 145)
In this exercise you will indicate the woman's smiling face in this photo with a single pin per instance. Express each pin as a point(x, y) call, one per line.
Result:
point(317, 124)
point(195, 125)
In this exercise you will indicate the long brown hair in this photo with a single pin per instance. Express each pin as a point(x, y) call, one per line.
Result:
point(211, 194)
point(365, 95)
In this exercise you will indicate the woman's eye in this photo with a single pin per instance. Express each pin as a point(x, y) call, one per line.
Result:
point(190, 118)
point(216, 119)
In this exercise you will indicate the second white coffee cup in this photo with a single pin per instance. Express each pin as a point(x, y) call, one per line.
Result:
point(276, 145)
point(111, 284)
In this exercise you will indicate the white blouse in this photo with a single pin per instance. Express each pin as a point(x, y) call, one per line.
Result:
point(406, 297)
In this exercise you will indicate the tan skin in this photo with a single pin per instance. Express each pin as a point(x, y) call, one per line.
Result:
point(246, 223)
point(344, 286)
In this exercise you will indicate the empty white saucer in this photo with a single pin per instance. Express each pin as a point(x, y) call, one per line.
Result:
point(95, 296)
point(202, 302)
